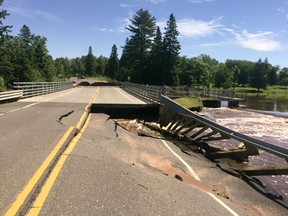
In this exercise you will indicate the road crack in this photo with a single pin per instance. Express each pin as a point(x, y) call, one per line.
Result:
point(64, 116)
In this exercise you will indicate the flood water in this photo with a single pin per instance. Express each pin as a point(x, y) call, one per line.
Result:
point(279, 105)
point(272, 129)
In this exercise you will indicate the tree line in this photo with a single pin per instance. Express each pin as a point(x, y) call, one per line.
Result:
point(148, 57)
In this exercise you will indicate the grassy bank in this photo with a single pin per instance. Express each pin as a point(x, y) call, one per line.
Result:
point(101, 78)
point(272, 92)
point(189, 102)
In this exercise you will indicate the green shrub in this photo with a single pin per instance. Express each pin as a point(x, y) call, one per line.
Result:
point(2, 84)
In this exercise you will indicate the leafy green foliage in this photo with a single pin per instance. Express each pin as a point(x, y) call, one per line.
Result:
point(25, 58)
point(2, 84)
point(148, 57)
point(259, 75)
point(223, 77)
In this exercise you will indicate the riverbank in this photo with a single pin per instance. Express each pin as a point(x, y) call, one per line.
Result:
point(271, 93)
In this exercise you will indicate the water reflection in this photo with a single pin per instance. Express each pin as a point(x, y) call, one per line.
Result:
point(261, 103)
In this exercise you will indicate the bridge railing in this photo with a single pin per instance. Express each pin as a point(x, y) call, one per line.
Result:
point(153, 92)
point(184, 123)
point(10, 95)
point(149, 92)
point(31, 89)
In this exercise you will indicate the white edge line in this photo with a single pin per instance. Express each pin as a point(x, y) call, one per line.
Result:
point(30, 105)
point(125, 95)
point(193, 173)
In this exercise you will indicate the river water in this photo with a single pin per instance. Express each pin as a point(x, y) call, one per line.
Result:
point(279, 105)
point(269, 128)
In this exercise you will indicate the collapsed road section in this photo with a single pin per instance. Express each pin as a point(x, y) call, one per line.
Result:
point(128, 111)
point(160, 122)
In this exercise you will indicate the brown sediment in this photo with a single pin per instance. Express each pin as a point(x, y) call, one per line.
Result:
point(145, 154)
point(168, 168)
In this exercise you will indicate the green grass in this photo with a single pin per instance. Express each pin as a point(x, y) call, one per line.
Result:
point(57, 79)
point(101, 78)
point(272, 92)
point(189, 102)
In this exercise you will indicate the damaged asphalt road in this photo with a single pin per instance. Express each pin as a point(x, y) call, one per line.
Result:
point(136, 175)
point(64, 116)
point(29, 133)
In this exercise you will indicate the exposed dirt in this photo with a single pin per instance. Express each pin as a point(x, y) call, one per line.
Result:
point(152, 157)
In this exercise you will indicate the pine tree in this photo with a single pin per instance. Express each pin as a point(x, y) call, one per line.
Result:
point(156, 60)
point(4, 30)
point(90, 63)
point(26, 36)
point(171, 47)
point(142, 27)
point(125, 66)
point(113, 63)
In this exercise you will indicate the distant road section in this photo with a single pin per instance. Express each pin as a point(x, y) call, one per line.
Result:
point(115, 95)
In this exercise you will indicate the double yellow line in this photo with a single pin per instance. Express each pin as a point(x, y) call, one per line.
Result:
point(44, 168)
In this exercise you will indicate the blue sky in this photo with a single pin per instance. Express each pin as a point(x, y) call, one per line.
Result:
point(223, 29)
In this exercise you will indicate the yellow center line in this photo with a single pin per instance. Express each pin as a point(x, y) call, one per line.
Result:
point(39, 174)
point(84, 115)
point(38, 204)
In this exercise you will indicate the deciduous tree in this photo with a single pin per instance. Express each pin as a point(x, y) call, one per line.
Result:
point(259, 76)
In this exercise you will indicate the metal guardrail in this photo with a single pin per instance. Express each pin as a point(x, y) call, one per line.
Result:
point(148, 92)
point(31, 89)
point(225, 132)
point(223, 94)
point(153, 93)
point(10, 95)
point(182, 121)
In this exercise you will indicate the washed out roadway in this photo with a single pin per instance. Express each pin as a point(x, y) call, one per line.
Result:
point(111, 171)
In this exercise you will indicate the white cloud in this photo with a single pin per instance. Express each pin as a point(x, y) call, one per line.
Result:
point(124, 23)
point(198, 28)
point(129, 5)
point(33, 13)
point(48, 16)
point(157, 1)
point(211, 44)
point(104, 29)
point(281, 10)
point(261, 41)
point(199, 1)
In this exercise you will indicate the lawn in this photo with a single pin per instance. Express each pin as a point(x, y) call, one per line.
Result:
point(272, 92)
point(189, 102)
